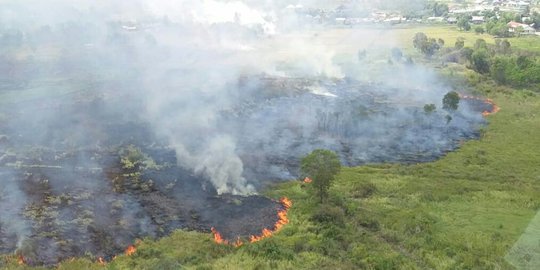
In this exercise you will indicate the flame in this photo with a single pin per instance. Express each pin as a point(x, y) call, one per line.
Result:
point(130, 250)
point(217, 237)
point(307, 180)
point(101, 261)
point(286, 202)
point(485, 100)
point(238, 242)
point(265, 233)
point(21, 260)
point(282, 220)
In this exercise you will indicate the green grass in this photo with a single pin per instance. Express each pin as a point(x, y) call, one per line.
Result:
point(450, 33)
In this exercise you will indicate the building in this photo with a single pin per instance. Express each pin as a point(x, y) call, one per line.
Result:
point(520, 28)
point(477, 19)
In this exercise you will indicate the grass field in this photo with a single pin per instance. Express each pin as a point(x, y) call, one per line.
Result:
point(450, 34)
point(469, 210)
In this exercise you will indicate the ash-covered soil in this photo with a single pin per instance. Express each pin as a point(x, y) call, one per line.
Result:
point(81, 177)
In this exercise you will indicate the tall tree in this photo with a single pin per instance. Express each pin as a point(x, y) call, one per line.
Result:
point(451, 101)
point(321, 166)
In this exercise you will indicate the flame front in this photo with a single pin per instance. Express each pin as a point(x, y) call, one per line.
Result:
point(101, 261)
point(130, 250)
point(485, 100)
point(282, 220)
point(307, 180)
point(217, 237)
point(20, 260)
point(265, 233)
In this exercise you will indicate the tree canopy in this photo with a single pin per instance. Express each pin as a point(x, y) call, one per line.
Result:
point(321, 166)
point(451, 101)
point(428, 46)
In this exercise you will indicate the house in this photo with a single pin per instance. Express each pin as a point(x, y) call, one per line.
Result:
point(520, 28)
point(452, 20)
point(340, 20)
point(477, 19)
point(435, 19)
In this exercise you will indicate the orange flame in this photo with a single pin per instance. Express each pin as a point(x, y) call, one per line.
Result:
point(238, 242)
point(21, 260)
point(265, 233)
point(130, 250)
point(286, 202)
point(282, 220)
point(101, 261)
point(485, 100)
point(217, 237)
point(307, 180)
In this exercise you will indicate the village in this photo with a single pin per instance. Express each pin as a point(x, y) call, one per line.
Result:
point(524, 12)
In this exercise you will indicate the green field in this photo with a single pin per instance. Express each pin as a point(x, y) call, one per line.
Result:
point(450, 34)
point(469, 210)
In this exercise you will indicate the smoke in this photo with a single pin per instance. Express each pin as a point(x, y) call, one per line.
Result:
point(219, 97)
point(184, 60)
point(12, 204)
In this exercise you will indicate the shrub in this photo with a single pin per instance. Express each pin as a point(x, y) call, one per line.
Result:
point(330, 215)
point(363, 190)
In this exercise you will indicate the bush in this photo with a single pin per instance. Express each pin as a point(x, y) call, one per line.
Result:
point(330, 215)
point(270, 249)
point(363, 190)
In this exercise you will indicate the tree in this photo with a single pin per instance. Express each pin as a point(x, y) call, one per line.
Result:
point(460, 43)
point(500, 69)
point(463, 24)
point(428, 46)
point(429, 108)
point(480, 61)
point(321, 166)
point(438, 9)
point(480, 44)
point(451, 101)
point(502, 46)
point(535, 18)
point(419, 40)
point(479, 29)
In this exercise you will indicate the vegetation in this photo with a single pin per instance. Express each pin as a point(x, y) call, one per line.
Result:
point(429, 108)
point(451, 101)
point(321, 166)
point(428, 46)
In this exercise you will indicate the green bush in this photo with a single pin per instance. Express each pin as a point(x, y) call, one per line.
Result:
point(329, 214)
point(363, 190)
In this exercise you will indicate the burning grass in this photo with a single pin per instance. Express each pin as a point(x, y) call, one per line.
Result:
point(265, 233)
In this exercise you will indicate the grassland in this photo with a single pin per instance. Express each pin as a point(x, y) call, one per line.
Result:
point(464, 211)
point(450, 33)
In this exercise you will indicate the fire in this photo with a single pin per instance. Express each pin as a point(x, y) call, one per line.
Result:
point(282, 220)
point(307, 180)
point(238, 242)
point(217, 237)
point(487, 101)
point(265, 233)
point(286, 203)
point(130, 250)
point(21, 260)
point(101, 261)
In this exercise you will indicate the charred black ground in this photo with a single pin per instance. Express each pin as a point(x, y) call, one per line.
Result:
point(89, 179)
